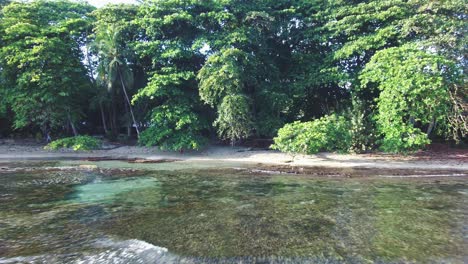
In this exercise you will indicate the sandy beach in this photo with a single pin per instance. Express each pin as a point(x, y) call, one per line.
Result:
point(442, 160)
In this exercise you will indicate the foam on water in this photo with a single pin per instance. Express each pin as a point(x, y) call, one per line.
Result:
point(109, 251)
point(128, 251)
point(134, 251)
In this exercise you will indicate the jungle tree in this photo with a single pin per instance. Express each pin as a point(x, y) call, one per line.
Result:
point(171, 48)
point(115, 59)
point(246, 76)
point(404, 59)
point(44, 81)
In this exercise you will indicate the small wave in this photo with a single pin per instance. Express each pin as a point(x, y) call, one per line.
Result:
point(127, 251)
point(32, 259)
point(108, 251)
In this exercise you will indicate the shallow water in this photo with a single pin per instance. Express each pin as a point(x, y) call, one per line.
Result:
point(221, 215)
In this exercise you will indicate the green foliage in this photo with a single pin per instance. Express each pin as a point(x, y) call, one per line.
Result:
point(405, 55)
point(223, 74)
point(414, 87)
point(176, 128)
point(234, 119)
point(329, 133)
point(250, 56)
point(362, 127)
point(112, 69)
point(44, 81)
point(177, 118)
point(4, 3)
point(78, 143)
point(222, 83)
point(403, 138)
point(394, 69)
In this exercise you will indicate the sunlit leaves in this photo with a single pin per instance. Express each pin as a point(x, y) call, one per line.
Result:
point(176, 127)
point(223, 74)
point(41, 59)
point(172, 47)
point(414, 86)
point(162, 84)
point(329, 133)
point(234, 119)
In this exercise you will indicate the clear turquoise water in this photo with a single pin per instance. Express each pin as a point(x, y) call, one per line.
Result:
point(229, 216)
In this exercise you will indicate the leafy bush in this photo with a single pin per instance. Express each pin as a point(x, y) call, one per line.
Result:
point(167, 139)
point(415, 91)
point(234, 118)
point(174, 127)
point(329, 133)
point(403, 138)
point(76, 143)
point(362, 127)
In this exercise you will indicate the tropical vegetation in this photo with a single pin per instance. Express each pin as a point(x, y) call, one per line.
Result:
point(316, 75)
point(75, 143)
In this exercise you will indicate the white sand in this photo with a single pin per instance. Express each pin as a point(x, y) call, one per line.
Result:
point(9, 152)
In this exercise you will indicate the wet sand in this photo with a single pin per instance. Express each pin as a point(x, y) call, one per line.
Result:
point(438, 162)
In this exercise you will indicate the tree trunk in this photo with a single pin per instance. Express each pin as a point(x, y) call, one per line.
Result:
point(114, 129)
point(430, 128)
point(129, 104)
point(129, 124)
point(46, 133)
point(93, 80)
point(75, 133)
point(103, 118)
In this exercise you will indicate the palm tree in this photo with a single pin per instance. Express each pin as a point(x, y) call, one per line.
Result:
point(113, 68)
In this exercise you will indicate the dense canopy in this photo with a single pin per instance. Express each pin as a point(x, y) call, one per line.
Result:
point(314, 75)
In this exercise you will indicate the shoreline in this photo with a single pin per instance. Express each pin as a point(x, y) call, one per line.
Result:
point(457, 161)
